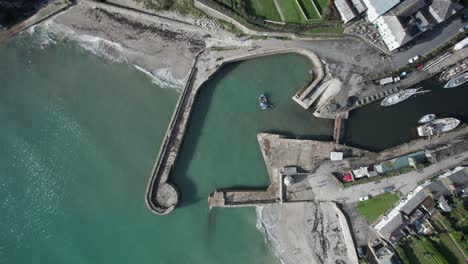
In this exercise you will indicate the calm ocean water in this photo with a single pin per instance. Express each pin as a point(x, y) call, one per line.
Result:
point(375, 127)
point(79, 135)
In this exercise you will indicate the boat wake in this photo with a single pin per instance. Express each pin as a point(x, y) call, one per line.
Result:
point(50, 33)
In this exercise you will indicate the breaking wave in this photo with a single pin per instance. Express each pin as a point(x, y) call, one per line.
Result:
point(162, 78)
point(269, 239)
point(50, 33)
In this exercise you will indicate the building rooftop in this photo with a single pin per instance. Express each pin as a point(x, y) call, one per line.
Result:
point(345, 10)
point(359, 5)
point(408, 7)
point(376, 8)
point(443, 9)
point(428, 204)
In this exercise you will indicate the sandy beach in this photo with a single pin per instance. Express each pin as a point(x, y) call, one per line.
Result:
point(305, 232)
point(164, 47)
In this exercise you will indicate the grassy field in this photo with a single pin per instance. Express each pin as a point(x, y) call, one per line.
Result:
point(263, 8)
point(375, 206)
point(322, 4)
point(449, 250)
point(291, 11)
point(421, 250)
point(309, 9)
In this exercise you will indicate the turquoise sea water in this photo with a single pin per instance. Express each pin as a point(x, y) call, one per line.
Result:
point(79, 135)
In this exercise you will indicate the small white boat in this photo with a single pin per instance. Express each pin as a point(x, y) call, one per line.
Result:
point(400, 96)
point(427, 118)
point(457, 81)
point(438, 126)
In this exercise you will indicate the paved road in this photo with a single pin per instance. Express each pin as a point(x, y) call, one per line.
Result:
point(431, 39)
point(326, 189)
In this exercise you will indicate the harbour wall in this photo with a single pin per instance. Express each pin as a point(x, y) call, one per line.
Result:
point(162, 196)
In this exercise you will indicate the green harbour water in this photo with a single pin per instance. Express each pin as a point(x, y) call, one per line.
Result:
point(79, 137)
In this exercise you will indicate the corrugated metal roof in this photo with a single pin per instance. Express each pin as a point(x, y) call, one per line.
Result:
point(345, 10)
point(376, 8)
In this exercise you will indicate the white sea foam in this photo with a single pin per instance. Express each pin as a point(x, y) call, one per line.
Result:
point(113, 51)
point(265, 230)
point(162, 77)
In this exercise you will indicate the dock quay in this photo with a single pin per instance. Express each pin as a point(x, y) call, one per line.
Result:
point(284, 158)
point(373, 93)
point(299, 169)
point(161, 195)
point(339, 127)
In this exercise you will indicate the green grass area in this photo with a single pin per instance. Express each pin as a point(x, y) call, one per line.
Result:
point(456, 223)
point(421, 250)
point(309, 9)
point(321, 5)
point(449, 250)
point(375, 206)
point(291, 11)
point(406, 253)
point(263, 8)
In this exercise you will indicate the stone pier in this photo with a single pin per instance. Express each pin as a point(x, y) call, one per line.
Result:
point(162, 196)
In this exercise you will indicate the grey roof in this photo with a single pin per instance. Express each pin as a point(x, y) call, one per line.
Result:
point(428, 204)
point(408, 7)
point(443, 9)
point(359, 5)
point(414, 202)
point(459, 178)
point(394, 225)
point(437, 189)
point(345, 10)
point(399, 32)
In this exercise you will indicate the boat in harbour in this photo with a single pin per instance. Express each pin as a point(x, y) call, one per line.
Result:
point(400, 96)
point(438, 126)
point(264, 105)
point(426, 118)
point(454, 71)
point(457, 81)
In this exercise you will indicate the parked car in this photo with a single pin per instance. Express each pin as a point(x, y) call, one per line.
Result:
point(414, 59)
point(388, 189)
point(361, 252)
point(364, 198)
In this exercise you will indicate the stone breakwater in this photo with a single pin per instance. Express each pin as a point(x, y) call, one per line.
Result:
point(162, 196)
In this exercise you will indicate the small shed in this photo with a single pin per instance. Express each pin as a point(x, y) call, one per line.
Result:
point(348, 177)
point(336, 155)
point(289, 170)
point(361, 172)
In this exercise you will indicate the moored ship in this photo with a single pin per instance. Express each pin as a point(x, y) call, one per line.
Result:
point(457, 81)
point(426, 118)
point(264, 105)
point(400, 96)
point(455, 70)
point(438, 126)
